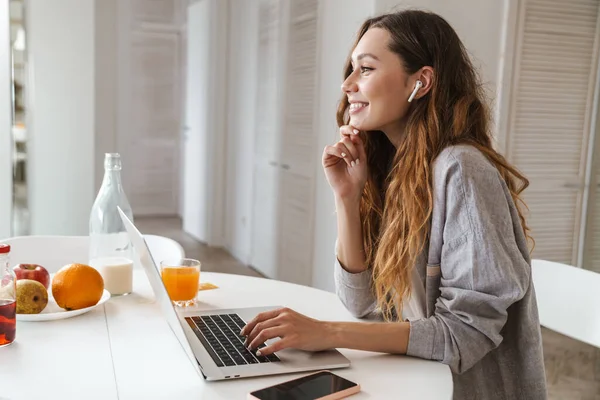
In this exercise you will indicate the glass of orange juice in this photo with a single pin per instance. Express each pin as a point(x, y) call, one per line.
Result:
point(181, 278)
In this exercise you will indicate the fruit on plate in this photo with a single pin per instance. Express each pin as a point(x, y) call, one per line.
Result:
point(32, 296)
point(33, 271)
point(77, 286)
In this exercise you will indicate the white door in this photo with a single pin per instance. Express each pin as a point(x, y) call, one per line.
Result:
point(285, 146)
point(196, 151)
point(205, 133)
point(266, 192)
point(150, 110)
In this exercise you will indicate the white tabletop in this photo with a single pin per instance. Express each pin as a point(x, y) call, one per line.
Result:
point(125, 350)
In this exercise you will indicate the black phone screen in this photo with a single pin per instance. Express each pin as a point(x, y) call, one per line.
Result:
point(306, 388)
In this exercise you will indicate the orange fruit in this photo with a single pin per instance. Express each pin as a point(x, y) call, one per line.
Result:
point(77, 286)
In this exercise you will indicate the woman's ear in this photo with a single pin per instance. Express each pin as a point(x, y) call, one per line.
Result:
point(425, 75)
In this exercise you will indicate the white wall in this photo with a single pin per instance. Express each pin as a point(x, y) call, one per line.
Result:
point(61, 121)
point(340, 20)
point(242, 79)
point(6, 146)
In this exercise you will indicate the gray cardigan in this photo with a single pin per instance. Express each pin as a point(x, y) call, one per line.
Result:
point(482, 317)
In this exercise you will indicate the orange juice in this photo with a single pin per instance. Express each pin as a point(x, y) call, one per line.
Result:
point(181, 282)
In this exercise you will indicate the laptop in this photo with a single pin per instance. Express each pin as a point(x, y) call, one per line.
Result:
point(211, 339)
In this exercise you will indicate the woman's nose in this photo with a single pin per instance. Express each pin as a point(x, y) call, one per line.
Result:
point(349, 85)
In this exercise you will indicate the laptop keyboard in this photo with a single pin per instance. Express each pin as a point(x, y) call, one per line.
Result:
point(220, 336)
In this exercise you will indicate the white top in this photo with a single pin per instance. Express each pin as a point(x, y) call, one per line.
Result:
point(414, 308)
point(126, 350)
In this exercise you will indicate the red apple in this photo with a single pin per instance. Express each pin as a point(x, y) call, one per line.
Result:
point(33, 271)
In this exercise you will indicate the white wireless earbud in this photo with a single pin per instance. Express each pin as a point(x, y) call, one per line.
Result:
point(418, 85)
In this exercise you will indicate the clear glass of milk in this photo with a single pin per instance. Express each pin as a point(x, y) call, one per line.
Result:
point(117, 273)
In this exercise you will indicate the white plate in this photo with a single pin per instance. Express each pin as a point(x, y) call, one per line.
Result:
point(53, 311)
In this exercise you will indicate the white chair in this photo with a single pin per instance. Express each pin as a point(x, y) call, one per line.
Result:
point(58, 251)
point(163, 248)
point(568, 300)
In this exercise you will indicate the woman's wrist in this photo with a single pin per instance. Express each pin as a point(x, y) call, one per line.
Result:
point(390, 337)
point(332, 334)
point(350, 251)
point(348, 201)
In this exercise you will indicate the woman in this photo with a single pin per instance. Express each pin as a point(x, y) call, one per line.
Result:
point(429, 228)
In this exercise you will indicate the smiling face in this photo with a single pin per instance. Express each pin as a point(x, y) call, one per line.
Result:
point(379, 86)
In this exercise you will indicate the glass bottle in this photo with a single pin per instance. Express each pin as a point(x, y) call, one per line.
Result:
point(8, 298)
point(111, 251)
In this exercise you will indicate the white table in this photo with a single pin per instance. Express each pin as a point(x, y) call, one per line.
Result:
point(125, 350)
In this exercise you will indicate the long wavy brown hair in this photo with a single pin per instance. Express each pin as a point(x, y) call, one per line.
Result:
point(397, 200)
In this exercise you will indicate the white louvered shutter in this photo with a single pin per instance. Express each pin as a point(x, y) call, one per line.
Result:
point(551, 109)
point(592, 249)
point(264, 249)
point(269, 79)
point(298, 147)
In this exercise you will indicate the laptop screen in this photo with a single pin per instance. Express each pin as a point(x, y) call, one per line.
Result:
point(162, 297)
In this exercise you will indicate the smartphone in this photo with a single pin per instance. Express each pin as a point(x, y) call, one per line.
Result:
point(322, 385)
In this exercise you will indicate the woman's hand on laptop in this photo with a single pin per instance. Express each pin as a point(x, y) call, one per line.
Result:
point(295, 330)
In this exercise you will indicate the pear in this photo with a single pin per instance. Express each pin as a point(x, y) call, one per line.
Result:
point(32, 296)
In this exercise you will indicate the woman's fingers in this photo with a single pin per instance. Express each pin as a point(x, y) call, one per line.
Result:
point(261, 326)
point(259, 318)
point(331, 156)
point(345, 152)
point(350, 137)
point(347, 148)
point(332, 151)
point(351, 147)
point(273, 348)
point(267, 334)
point(360, 148)
point(348, 130)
